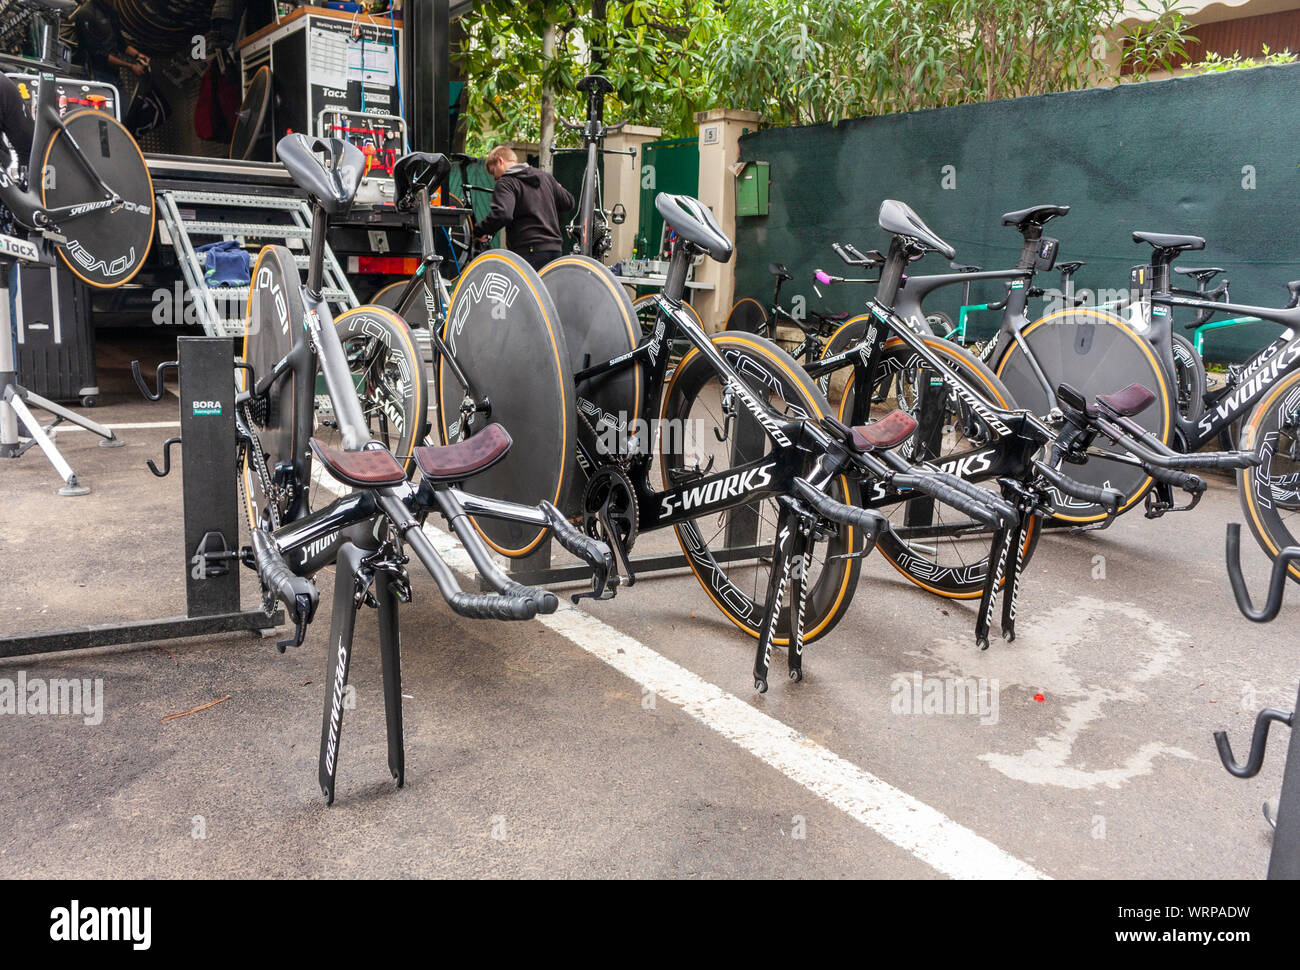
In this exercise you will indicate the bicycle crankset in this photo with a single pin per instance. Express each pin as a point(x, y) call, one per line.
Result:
point(609, 513)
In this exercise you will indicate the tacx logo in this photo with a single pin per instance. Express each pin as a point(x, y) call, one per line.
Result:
point(720, 489)
point(103, 924)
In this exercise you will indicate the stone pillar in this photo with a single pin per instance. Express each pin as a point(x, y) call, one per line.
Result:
point(720, 131)
point(622, 183)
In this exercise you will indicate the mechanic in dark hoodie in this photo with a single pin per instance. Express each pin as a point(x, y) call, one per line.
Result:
point(526, 202)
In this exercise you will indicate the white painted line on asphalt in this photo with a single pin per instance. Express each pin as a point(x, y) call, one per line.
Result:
point(912, 825)
point(66, 428)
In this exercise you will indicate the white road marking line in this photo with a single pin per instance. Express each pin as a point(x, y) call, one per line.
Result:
point(926, 833)
point(137, 426)
point(909, 823)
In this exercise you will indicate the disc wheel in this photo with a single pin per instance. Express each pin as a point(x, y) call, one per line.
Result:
point(748, 316)
point(505, 334)
point(389, 380)
point(1096, 353)
point(1270, 494)
point(270, 481)
point(105, 247)
point(1189, 378)
point(705, 430)
point(599, 324)
point(935, 546)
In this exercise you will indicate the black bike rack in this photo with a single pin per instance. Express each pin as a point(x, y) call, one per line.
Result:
point(1284, 862)
point(211, 509)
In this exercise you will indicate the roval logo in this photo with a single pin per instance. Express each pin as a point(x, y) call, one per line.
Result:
point(266, 281)
point(735, 484)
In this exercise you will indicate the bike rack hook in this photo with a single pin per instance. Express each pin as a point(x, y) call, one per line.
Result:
point(156, 393)
point(1258, 742)
point(167, 458)
point(1276, 584)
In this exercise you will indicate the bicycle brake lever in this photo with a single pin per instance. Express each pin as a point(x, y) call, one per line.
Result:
point(302, 614)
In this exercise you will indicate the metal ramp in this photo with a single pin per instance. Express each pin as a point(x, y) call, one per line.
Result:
point(184, 215)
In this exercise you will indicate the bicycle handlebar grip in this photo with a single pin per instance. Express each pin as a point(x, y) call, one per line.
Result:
point(1170, 476)
point(547, 602)
point(823, 277)
point(590, 550)
point(277, 577)
point(981, 510)
point(1214, 459)
point(490, 606)
point(981, 495)
point(870, 522)
point(1107, 498)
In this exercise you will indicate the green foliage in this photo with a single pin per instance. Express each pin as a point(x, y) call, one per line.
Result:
point(1214, 63)
point(1156, 45)
point(657, 55)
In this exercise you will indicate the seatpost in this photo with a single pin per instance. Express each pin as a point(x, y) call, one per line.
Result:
point(678, 265)
point(891, 274)
point(316, 258)
point(1029, 251)
point(425, 221)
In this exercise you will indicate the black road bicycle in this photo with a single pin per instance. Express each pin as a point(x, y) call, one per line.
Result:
point(377, 512)
point(590, 226)
point(971, 426)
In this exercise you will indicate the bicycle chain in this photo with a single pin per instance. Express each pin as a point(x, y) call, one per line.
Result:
point(258, 460)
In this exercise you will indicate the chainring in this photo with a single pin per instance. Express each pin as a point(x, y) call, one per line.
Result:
point(610, 491)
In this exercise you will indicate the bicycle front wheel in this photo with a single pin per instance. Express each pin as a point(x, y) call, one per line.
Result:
point(1270, 494)
point(705, 430)
point(389, 381)
point(1189, 378)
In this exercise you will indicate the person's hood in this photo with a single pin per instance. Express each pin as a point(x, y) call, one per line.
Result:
point(525, 174)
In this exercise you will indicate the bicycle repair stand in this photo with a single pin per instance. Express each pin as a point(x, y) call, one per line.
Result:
point(211, 508)
point(15, 400)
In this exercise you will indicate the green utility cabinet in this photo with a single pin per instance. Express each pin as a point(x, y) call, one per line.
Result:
point(752, 189)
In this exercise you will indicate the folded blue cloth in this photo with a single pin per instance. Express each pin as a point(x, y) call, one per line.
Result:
point(225, 264)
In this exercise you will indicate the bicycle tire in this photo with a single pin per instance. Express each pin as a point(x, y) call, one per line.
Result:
point(421, 316)
point(456, 246)
point(389, 378)
point(1096, 353)
point(107, 247)
point(505, 334)
point(1189, 378)
point(748, 316)
point(738, 589)
point(958, 576)
point(275, 307)
point(940, 323)
point(1270, 494)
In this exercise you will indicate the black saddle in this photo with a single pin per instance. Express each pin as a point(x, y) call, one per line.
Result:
point(1035, 215)
point(692, 220)
point(779, 271)
point(1202, 274)
point(1071, 267)
point(333, 184)
point(597, 82)
point(965, 267)
point(1169, 243)
point(898, 220)
point(418, 170)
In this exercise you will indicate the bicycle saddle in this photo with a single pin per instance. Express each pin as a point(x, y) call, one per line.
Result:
point(372, 468)
point(597, 81)
point(692, 220)
point(1168, 242)
point(442, 464)
point(898, 220)
point(779, 271)
point(964, 267)
point(1071, 267)
point(1202, 274)
point(416, 171)
point(332, 185)
point(1035, 215)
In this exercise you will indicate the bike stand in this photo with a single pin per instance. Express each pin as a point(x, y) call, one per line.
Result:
point(211, 524)
point(16, 403)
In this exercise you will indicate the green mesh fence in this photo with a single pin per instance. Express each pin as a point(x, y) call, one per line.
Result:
point(1214, 155)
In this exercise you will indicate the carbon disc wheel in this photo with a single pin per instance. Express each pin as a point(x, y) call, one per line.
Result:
point(1096, 353)
point(505, 334)
point(1270, 494)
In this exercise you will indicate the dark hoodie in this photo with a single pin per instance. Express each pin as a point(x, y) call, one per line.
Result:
point(527, 202)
